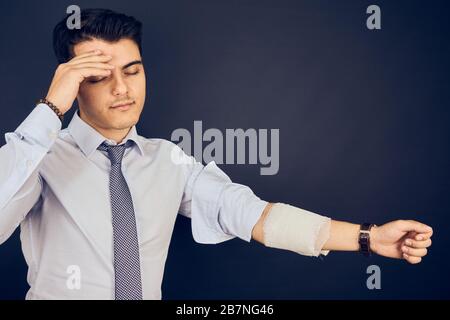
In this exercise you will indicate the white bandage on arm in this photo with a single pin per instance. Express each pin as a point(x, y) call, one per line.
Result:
point(291, 228)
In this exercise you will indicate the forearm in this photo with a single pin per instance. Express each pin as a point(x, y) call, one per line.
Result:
point(310, 234)
point(343, 236)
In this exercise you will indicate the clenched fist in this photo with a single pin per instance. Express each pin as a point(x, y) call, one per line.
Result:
point(399, 239)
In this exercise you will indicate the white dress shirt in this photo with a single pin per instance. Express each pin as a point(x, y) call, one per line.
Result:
point(55, 184)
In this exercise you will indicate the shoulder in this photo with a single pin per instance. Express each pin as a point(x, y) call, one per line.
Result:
point(157, 144)
point(167, 150)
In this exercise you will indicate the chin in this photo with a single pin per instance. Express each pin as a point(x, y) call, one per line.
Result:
point(123, 124)
point(122, 120)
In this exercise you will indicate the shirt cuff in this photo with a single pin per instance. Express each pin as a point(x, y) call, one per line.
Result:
point(41, 126)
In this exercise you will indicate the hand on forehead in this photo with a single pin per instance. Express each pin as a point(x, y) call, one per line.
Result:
point(122, 51)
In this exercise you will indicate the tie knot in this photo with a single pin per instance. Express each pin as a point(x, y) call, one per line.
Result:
point(115, 153)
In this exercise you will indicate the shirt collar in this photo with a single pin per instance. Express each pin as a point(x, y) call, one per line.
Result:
point(88, 139)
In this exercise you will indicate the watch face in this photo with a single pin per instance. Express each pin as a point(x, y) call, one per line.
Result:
point(364, 243)
point(364, 236)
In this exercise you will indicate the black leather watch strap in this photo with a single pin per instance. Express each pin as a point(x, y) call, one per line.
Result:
point(364, 239)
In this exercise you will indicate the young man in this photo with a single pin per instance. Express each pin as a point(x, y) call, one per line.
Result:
point(100, 200)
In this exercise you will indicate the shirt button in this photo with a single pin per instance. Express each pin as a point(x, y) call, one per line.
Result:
point(29, 163)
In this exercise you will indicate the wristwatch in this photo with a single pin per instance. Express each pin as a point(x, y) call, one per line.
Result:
point(364, 239)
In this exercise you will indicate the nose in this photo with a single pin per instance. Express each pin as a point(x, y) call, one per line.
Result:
point(119, 86)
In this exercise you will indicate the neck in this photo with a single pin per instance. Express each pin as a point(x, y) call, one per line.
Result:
point(115, 135)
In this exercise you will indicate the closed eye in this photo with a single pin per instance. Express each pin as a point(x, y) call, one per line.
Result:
point(98, 79)
point(95, 80)
point(132, 73)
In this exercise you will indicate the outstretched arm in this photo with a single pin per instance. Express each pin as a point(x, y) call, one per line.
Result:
point(399, 239)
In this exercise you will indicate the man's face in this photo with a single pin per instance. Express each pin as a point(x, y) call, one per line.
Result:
point(97, 96)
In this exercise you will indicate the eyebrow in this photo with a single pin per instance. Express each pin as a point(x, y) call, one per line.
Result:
point(132, 63)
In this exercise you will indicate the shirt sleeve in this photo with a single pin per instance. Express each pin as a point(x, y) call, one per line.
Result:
point(220, 210)
point(20, 182)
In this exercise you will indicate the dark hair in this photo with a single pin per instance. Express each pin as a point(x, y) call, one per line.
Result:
point(95, 23)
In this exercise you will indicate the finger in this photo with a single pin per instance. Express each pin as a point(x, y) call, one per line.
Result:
point(87, 54)
point(94, 65)
point(92, 58)
point(91, 72)
point(418, 244)
point(423, 236)
point(411, 225)
point(422, 252)
point(412, 259)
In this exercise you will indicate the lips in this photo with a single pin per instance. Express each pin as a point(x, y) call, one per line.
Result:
point(125, 105)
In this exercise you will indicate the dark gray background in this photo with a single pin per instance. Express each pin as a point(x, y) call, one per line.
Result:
point(363, 117)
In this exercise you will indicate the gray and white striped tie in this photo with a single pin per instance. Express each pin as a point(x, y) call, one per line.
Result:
point(127, 271)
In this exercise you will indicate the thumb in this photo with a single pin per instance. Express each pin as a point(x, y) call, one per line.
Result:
point(411, 225)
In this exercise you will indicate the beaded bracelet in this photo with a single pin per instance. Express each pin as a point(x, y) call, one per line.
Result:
point(53, 107)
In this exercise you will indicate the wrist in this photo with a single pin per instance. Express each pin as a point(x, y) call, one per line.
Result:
point(61, 102)
point(374, 236)
point(50, 104)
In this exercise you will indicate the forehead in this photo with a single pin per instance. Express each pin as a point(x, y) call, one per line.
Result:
point(122, 51)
